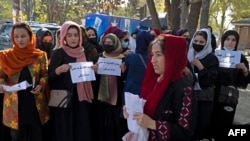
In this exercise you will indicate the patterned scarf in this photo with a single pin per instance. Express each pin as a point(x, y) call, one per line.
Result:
point(15, 59)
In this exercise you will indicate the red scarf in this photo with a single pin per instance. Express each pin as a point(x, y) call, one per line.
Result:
point(175, 61)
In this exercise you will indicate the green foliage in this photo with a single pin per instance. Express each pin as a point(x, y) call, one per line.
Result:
point(6, 10)
point(222, 12)
point(159, 5)
point(240, 10)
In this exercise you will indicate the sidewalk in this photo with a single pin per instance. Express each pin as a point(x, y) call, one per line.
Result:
point(242, 115)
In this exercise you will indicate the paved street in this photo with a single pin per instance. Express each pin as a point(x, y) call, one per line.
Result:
point(242, 115)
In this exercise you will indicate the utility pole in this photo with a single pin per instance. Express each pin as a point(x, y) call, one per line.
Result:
point(16, 10)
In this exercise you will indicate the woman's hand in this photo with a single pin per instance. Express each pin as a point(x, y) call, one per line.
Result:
point(95, 67)
point(125, 113)
point(1, 89)
point(243, 67)
point(197, 63)
point(123, 67)
point(37, 89)
point(144, 120)
point(62, 69)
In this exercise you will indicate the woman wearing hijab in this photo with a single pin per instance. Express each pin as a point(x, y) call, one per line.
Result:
point(90, 49)
point(93, 38)
point(72, 123)
point(24, 111)
point(139, 61)
point(229, 77)
point(184, 33)
point(45, 40)
point(169, 111)
point(205, 67)
point(109, 89)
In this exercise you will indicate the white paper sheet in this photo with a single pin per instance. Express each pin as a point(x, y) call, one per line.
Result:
point(108, 66)
point(17, 87)
point(134, 104)
point(228, 59)
point(81, 72)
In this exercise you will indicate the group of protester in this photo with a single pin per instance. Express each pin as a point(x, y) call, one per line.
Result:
point(168, 71)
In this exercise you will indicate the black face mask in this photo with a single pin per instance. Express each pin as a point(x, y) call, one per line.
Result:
point(108, 48)
point(46, 45)
point(92, 40)
point(197, 47)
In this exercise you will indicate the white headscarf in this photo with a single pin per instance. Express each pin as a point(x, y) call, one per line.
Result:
point(205, 51)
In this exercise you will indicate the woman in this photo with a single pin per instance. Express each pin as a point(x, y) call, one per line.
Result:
point(93, 38)
point(72, 123)
point(45, 40)
point(90, 49)
point(57, 39)
point(184, 33)
point(109, 89)
point(169, 111)
point(124, 39)
point(24, 111)
point(229, 77)
point(205, 67)
point(139, 61)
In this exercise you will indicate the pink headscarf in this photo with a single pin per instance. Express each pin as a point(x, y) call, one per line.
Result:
point(84, 89)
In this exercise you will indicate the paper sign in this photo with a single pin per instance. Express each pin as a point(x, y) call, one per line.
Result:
point(228, 59)
point(17, 87)
point(133, 104)
point(81, 72)
point(109, 66)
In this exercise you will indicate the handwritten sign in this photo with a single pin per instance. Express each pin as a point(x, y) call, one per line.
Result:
point(228, 59)
point(109, 66)
point(17, 87)
point(81, 72)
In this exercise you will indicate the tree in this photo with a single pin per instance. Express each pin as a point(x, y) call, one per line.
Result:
point(173, 12)
point(16, 6)
point(184, 13)
point(194, 16)
point(153, 13)
point(5, 7)
point(204, 13)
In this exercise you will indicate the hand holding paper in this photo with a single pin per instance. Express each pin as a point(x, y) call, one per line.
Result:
point(134, 104)
point(17, 87)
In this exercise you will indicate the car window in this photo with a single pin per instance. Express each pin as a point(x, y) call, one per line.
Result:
point(5, 31)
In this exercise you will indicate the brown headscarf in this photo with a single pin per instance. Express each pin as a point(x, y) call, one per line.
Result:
point(15, 59)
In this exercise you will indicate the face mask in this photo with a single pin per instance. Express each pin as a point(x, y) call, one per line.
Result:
point(225, 48)
point(124, 44)
point(197, 47)
point(46, 45)
point(108, 48)
point(92, 40)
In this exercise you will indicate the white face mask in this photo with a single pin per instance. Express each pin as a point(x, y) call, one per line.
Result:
point(124, 44)
point(225, 48)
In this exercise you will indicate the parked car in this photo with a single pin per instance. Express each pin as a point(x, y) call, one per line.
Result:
point(5, 40)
